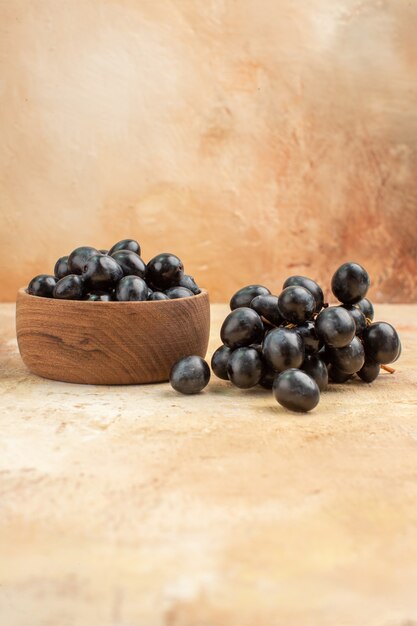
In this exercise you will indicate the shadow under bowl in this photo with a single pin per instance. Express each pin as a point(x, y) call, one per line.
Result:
point(110, 343)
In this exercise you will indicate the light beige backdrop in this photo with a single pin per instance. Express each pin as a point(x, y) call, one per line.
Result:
point(254, 138)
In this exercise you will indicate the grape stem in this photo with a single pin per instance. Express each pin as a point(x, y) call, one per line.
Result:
point(388, 369)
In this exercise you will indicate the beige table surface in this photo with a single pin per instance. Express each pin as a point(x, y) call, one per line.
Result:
point(136, 506)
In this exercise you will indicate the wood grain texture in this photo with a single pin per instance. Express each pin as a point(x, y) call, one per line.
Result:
point(109, 343)
point(137, 506)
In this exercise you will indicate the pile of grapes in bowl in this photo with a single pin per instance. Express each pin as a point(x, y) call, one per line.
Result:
point(106, 317)
point(295, 344)
point(116, 274)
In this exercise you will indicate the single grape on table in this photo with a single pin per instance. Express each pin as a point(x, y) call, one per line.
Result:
point(190, 375)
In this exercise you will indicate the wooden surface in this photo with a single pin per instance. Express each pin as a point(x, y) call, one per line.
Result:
point(135, 506)
point(110, 343)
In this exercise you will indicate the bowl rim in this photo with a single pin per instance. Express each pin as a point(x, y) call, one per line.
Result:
point(22, 292)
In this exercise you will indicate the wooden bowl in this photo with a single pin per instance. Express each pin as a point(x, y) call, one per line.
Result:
point(109, 343)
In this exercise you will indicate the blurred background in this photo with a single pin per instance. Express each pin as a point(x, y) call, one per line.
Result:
point(254, 138)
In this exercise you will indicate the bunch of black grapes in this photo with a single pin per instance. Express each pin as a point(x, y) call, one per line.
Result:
point(294, 343)
point(116, 274)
